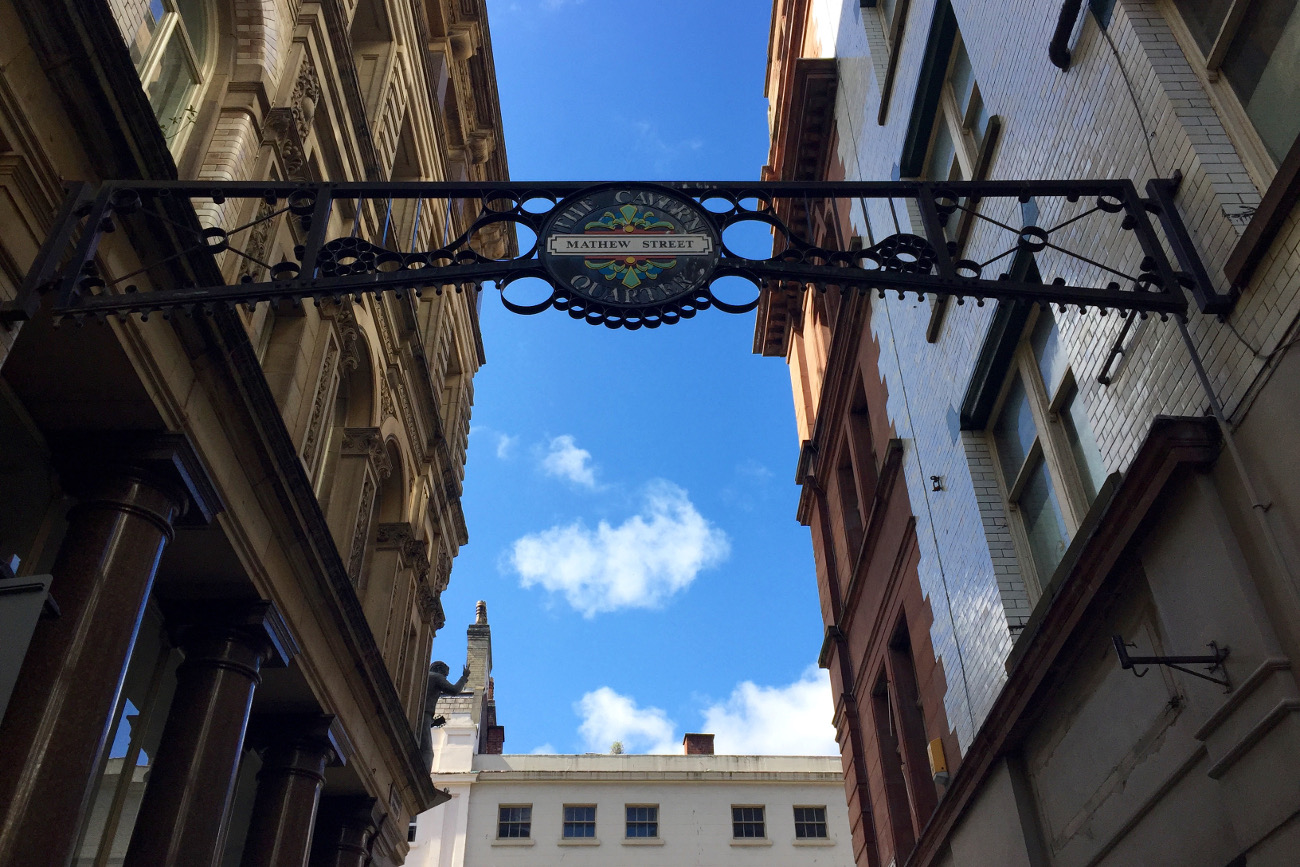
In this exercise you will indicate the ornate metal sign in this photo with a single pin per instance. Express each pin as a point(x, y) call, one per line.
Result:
point(620, 255)
point(631, 250)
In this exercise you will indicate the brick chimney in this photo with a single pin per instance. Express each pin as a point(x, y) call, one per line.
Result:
point(698, 744)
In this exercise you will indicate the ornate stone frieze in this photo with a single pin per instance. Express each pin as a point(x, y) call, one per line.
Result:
point(259, 242)
point(324, 388)
point(386, 403)
point(362, 529)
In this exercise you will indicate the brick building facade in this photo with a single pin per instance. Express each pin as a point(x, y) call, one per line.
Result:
point(237, 526)
point(995, 490)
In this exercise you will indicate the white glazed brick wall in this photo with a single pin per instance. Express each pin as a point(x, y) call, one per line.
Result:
point(1079, 124)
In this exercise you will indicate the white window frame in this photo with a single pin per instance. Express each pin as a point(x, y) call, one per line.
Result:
point(565, 822)
point(1240, 128)
point(500, 821)
point(170, 26)
point(823, 821)
point(1051, 446)
point(762, 811)
point(627, 822)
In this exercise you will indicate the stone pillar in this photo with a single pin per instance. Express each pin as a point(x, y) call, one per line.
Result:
point(288, 788)
point(186, 805)
point(54, 731)
point(343, 831)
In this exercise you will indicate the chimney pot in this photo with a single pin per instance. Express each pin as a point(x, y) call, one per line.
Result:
point(698, 744)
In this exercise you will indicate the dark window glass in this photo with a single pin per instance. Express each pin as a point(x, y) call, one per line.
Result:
point(515, 822)
point(810, 823)
point(580, 821)
point(747, 822)
point(642, 821)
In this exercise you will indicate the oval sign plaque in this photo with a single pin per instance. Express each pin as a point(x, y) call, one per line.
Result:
point(629, 249)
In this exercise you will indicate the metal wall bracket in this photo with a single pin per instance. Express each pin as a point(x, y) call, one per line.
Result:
point(1212, 662)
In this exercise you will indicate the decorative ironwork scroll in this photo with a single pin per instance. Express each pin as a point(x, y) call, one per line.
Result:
point(623, 255)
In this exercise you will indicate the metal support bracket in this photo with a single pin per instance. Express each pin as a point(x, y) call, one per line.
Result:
point(1212, 662)
point(1193, 274)
point(363, 238)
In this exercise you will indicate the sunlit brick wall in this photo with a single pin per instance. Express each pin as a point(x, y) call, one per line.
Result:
point(1078, 124)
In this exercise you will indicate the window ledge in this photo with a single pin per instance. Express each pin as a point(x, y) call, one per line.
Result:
point(643, 841)
point(514, 841)
point(578, 841)
point(751, 841)
point(814, 841)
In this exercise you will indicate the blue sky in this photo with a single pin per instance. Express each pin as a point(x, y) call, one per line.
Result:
point(629, 495)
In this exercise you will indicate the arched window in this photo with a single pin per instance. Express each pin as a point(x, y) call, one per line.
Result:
point(170, 48)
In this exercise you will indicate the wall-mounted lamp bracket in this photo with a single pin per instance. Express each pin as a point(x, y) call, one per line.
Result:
point(1212, 662)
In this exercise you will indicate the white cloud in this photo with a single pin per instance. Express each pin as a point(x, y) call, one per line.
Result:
point(544, 750)
point(793, 720)
point(565, 460)
point(638, 564)
point(608, 717)
point(505, 445)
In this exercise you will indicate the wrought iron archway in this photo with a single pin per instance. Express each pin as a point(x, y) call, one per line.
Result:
point(1108, 237)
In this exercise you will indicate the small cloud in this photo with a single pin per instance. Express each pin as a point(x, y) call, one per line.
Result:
point(608, 717)
point(544, 750)
point(553, 5)
point(638, 564)
point(793, 720)
point(505, 445)
point(565, 460)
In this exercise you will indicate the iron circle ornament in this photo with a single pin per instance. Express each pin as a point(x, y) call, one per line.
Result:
point(629, 254)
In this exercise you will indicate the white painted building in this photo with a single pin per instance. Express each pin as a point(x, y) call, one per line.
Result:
point(634, 810)
point(697, 809)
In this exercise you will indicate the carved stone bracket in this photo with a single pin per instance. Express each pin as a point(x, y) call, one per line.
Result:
point(395, 535)
point(288, 127)
point(368, 441)
point(442, 574)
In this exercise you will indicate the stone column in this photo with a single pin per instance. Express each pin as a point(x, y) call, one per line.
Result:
point(186, 805)
point(288, 788)
point(343, 832)
point(54, 731)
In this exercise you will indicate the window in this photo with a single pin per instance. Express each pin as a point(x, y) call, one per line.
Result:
point(515, 822)
point(810, 823)
point(169, 48)
point(579, 821)
point(961, 125)
point(1048, 459)
point(747, 823)
point(1253, 46)
point(884, 21)
point(642, 821)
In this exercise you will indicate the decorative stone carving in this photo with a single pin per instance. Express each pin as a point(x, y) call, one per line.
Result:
point(443, 572)
point(288, 127)
point(259, 241)
point(386, 403)
point(368, 441)
point(362, 530)
point(396, 535)
point(324, 389)
point(481, 145)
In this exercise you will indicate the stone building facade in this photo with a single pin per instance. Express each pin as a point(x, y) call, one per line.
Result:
point(996, 490)
point(617, 809)
point(224, 538)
